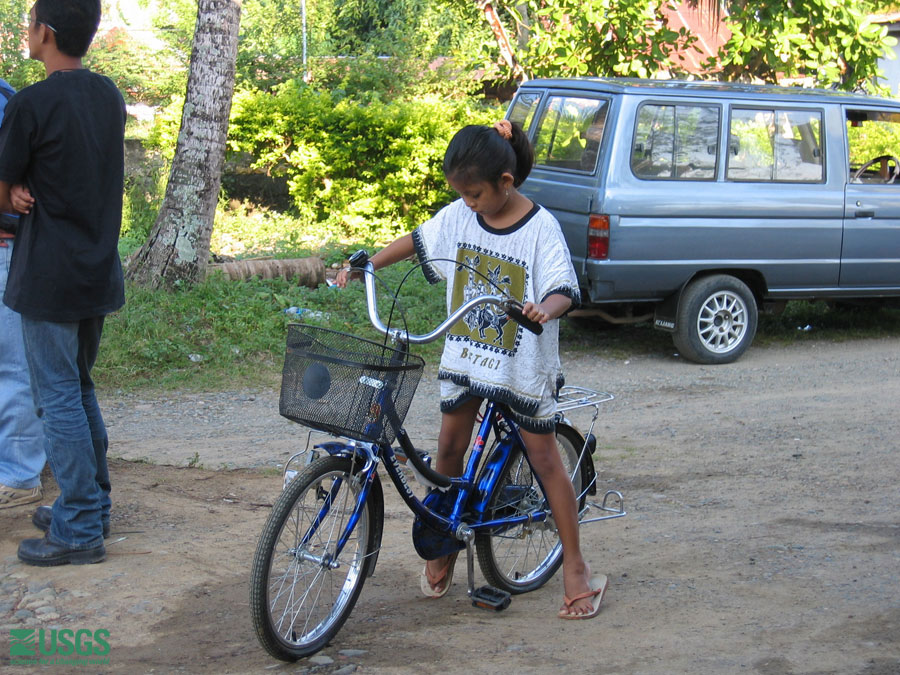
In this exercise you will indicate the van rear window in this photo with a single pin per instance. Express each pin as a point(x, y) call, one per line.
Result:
point(570, 132)
point(522, 110)
point(676, 142)
point(775, 146)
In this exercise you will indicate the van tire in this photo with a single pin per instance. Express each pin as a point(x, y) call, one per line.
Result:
point(716, 320)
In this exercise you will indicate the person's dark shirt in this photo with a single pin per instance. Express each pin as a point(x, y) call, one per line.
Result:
point(64, 138)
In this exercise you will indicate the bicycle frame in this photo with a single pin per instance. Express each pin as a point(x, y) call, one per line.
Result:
point(475, 480)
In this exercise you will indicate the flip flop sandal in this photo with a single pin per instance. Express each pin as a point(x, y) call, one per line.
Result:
point(599, 584)
point(427, 583)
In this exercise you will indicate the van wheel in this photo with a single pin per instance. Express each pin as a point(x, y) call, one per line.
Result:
point(716, 320)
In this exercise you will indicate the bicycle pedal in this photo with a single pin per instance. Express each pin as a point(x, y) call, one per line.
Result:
point(488, 597)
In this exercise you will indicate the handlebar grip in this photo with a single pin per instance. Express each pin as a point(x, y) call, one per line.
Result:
point(360, 258)
point(514, 310)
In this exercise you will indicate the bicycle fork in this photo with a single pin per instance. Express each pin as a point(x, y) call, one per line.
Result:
point(331, 559)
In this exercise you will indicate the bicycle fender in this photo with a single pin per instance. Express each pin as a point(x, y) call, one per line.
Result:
point(587, 462)
point(377, 495)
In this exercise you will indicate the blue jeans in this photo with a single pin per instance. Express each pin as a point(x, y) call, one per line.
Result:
point(21, 436)
point(60, 358)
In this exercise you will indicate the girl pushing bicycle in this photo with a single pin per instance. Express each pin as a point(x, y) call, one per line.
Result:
point(495, 239)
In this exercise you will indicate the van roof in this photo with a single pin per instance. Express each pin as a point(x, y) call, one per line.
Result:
point(628, 85)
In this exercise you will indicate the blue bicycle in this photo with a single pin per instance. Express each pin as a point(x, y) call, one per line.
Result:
point(322, 538)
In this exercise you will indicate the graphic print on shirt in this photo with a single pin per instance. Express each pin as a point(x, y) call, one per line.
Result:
point(487, 325)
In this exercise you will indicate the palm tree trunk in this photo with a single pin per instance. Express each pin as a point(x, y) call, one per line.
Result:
point(178, 246)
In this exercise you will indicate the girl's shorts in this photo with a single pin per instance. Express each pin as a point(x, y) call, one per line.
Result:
point(542, 422)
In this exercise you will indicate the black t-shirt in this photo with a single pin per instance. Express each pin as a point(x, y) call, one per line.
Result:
point(64, 138)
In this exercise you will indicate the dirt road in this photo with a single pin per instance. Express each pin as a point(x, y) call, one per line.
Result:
point(763, 534)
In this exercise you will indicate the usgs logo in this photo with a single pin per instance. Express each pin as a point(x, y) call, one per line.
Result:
point(37, 644)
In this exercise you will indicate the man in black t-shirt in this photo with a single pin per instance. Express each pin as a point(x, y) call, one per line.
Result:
point(63, 139)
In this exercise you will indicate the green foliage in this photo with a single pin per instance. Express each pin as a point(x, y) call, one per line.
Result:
point(220, 332)
point(18, 70)
point(244, 230)
point(144, 192)
point(570, 38)
point(142, 74)
point(174, 21)
point(270, 49)
point(871, 140)
point(370, 170)
point(163, 135)
point(373, 26)
point(823, 42)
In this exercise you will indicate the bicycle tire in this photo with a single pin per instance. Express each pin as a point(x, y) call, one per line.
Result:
point(523, 558)
point(298, 604)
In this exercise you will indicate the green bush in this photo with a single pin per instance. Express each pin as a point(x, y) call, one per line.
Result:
point(370, 170)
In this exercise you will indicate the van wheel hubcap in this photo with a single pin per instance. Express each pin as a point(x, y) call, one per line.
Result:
point(722, 322)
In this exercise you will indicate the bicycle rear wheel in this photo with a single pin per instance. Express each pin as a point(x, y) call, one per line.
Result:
point(523, 558)
point(300, 591)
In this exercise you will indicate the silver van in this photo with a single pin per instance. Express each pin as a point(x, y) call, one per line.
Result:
point(695, 204)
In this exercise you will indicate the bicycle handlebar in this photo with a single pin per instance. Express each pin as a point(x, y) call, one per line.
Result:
point(512, 308)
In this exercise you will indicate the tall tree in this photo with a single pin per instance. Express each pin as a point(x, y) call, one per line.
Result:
point(178, 247)
point(820, 42)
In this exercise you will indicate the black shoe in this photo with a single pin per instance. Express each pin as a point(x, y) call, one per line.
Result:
point(44, 553)
point(44, 514)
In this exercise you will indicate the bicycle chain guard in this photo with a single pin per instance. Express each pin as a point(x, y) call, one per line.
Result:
point(428, 542)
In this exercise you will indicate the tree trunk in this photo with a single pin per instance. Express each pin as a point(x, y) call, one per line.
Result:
point(308, 272)
point(178, 246)
point(506, 50)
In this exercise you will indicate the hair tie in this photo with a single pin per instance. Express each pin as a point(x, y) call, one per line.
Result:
point(504, 128)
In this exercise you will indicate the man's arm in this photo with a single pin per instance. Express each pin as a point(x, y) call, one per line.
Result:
point(5, 201)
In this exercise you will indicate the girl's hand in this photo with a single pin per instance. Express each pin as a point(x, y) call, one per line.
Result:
point(535, 312)
point(553, 307)
point(344, 275)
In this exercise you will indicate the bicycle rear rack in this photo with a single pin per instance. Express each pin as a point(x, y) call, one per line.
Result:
point(571, 398)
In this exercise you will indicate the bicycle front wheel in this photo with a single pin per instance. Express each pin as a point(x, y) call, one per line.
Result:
point(523, 558)
point(301, 590)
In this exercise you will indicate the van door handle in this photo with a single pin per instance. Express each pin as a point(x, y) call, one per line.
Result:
point(865, 214)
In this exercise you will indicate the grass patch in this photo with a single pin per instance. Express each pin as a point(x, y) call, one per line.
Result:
point(801, 321)
point(806, 321)
point(224, 334)
point(229, 334)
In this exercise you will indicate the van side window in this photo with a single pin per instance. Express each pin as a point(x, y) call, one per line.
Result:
point(676, 141)
point(775, 146)
point(873, 137)
point(522, 110)
point(570, 132)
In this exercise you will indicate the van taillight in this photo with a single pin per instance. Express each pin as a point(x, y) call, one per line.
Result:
point(598, 237)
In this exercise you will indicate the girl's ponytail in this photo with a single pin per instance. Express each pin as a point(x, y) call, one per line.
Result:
point(480, 153)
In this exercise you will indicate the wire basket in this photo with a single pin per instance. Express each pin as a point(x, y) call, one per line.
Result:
point(346, 385)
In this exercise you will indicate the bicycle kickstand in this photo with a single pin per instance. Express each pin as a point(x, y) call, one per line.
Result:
point(485, 597)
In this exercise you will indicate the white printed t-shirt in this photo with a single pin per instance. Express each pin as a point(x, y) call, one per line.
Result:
point(486, 354)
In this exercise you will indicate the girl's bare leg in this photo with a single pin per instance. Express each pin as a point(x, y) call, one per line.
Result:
point(545, 458)
point(453, 442)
